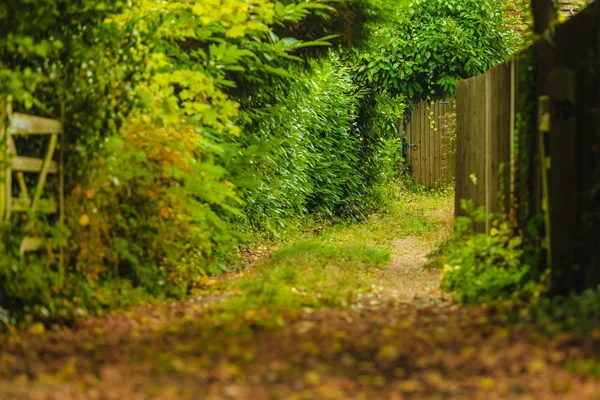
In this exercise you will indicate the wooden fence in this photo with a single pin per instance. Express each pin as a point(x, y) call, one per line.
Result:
point(431, 144)
point(539, 115)
point(15, 195)
point(485, 110)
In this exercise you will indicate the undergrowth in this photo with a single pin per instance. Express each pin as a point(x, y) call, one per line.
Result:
point(331, 266)
point(481, 267)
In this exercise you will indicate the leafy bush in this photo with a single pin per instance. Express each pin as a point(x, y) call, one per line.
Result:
point(187, 125)
point(481, 267)
point(435, 43)
point(306, 153)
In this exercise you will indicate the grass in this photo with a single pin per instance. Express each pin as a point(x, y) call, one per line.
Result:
point(330, 269)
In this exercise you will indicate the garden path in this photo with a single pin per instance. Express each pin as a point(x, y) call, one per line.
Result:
point(398, 339)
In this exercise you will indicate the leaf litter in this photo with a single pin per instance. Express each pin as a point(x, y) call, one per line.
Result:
point(401, 338)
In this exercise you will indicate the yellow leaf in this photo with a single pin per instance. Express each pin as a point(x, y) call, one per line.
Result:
point(410, 385)
point(37, 329)
point(537, 365)
point(312, 378)
point(487, 383)
point(389, 353)
point(84, 220)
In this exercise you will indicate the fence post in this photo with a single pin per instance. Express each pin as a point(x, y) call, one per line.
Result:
point(544, 117)
point(3, 158)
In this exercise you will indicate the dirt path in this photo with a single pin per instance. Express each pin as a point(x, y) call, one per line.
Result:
point(405, 277)
point(400, 340)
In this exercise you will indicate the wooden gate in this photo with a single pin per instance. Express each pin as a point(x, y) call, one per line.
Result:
point(431, 144)
point(16, 166)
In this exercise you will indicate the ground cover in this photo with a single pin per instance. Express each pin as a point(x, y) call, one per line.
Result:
point(347, 312)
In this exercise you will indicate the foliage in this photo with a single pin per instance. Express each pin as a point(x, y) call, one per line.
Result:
point(435, 43)
point(186, 133)
point(285, 330)
point(310, 274)
point(334, 265)
point(481, 267)
point(308, 153)
point(577, 313)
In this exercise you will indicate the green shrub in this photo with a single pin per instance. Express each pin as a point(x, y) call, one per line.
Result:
point(307, 149)
point(481, 267)
point(187, 125)
point(433, 43)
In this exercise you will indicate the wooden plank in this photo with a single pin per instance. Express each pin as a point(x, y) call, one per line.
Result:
point(437, 177)
point(511, 190)
point(30, 164)
point(12, 149)
point(44, 172)
point(423, 143)
point(500, 137)
point(441, 147)
point(445, 145)
point(46, 206)
point(478, 155)
point(61, 176)
point(7, 194)
point(408, 142)
point(3, 156)
point(487, 167)
point(424, 149)
point(31, 244)
point(425, 152)
point(411, 140)
point(563, 174)
point(418, 148)
point(430, 145)
point(32, 125)
point(462, 88)
point(7, 190)
point(445, 140)
point(425, 138)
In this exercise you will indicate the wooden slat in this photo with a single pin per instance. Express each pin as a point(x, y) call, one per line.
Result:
point(31, 244)
point(418, 148)
point(500, 137)
point(29, 124)
point(44, 172)
point(30, 164)
point(3, 130)
point(425, 149)
point(7, 190)
point(438, 145)
point(431, 156)
point(444, 148)
point(47, 206)
point(409, 150)
point(481, 135)
point(427, 138)
point(12, 149)
point(459, 182)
